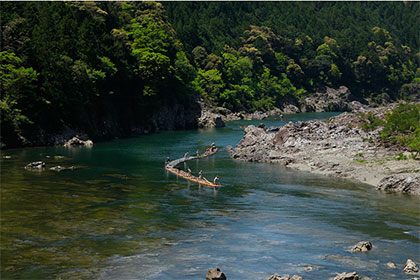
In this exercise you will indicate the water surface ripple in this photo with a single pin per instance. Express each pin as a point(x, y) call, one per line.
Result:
point(119, 215)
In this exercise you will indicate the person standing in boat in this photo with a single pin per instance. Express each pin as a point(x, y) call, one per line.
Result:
point(216, 180)
point(167, 161)
point(189, 172)
point(198, 153)
point(213, 146)
point(186, 155)
point(200, 174)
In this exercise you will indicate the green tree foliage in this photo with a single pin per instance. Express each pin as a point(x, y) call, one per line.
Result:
point(314, 44)
point(87, 64)
point(81, 64)
point(403, 126)
point(17, 95)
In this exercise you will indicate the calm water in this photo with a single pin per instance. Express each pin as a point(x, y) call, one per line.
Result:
point(119, 215)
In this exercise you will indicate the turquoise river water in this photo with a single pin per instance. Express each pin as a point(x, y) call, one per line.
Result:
point(120, 215)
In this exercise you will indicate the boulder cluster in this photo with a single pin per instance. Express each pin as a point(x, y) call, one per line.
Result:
point(363, 246)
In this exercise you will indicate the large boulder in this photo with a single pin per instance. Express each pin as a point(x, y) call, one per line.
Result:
point(347, 276)
point(215, 274)
point(410, 267)
point(290, 109)
point(362, 246)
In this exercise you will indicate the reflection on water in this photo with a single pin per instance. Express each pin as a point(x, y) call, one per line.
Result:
point(119, 215)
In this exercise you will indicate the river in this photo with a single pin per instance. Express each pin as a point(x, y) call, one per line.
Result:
point(120, 215)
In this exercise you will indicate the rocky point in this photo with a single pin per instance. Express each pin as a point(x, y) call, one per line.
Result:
point(336, 147)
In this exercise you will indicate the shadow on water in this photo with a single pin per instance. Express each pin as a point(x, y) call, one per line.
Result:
point(119, 215)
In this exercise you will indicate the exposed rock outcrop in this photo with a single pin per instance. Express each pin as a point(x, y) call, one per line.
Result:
point(362, 246)
point(76, 141)
point(329, 100)
point(398, 183)
point(209, 119)
point(215, 274)
point(290, 109)
point(216, 117)
point(338, 147)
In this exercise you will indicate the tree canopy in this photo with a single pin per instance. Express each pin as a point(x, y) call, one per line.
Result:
point(85, 65)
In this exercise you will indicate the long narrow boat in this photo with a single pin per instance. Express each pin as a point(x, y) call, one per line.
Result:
point(171, 167)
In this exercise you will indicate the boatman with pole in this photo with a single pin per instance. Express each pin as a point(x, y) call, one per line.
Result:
point(216, 180)
point(200, 174)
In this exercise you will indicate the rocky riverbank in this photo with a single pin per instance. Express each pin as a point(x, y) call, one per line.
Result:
point(325, 100)
point(337, 147)
point(216, 117)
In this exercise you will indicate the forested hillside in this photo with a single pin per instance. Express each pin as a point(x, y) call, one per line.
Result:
point(98, 67)
point(105, 68)
point(266, 51)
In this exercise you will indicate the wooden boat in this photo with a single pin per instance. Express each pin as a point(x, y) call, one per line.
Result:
point(171, 167)
point(197, 180)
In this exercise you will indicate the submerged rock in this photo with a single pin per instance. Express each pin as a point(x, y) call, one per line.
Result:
point(56, 168)
point(362, 246)
point(36, 164)
point(275, 276)
point(410, 267)
point(215, 274)
point(391, 265)
point(347, 276)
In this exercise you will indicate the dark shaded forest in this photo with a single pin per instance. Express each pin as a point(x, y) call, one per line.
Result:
point(104, 67)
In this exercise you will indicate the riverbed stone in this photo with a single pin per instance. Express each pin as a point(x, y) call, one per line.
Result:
point(410, 267)
point(275, 276)
point(362, 246)
point(347, 276)
point(391, 265)
point(35, 165)
point(215, 274)
point(56, 168)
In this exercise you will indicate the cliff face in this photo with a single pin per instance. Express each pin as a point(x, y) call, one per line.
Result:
point(169, 115)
